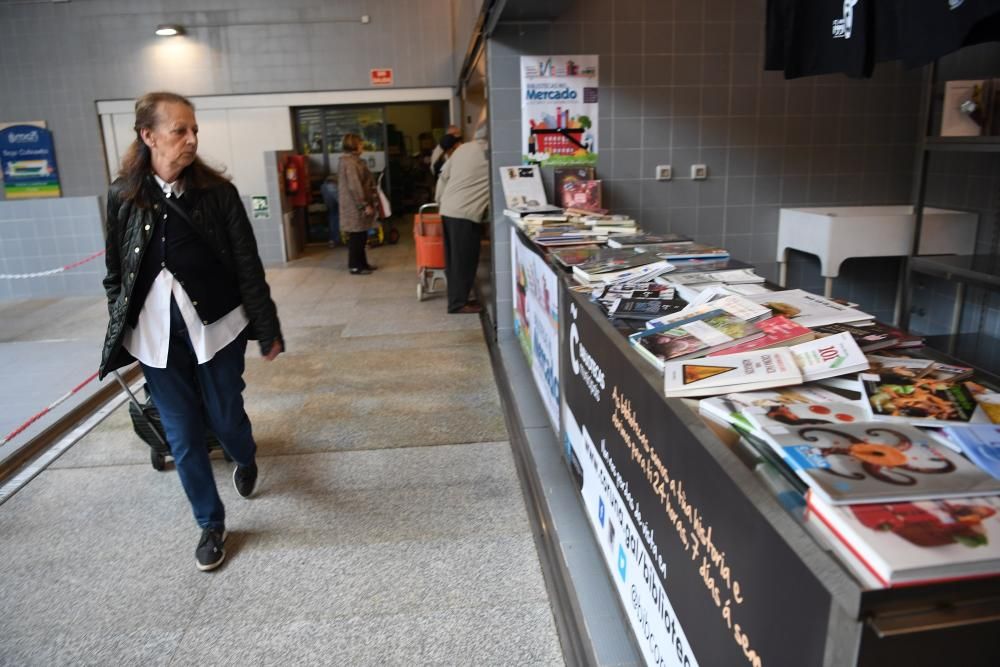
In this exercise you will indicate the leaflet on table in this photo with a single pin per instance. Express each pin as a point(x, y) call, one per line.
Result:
point(864, 461)
point(980, 442)
point(809, 310)
point(917, 542)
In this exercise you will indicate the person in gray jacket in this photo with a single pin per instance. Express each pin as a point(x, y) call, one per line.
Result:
point(463, 194)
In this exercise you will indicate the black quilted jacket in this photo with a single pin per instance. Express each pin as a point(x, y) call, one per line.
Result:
point(219, 217)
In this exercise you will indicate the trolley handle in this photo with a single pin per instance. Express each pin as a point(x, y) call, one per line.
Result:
point(420, 215)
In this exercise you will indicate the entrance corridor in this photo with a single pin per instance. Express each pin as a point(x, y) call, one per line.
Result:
point(389, 525)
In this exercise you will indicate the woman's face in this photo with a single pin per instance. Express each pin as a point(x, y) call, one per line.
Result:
point(173, 141)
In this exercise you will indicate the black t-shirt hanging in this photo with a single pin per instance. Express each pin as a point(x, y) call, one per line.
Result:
point(930, 29)
point(822, 37)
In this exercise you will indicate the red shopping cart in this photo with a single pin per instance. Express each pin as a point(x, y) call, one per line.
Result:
point(428, 234)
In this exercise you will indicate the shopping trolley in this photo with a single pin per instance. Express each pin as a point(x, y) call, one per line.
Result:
point(428, 234)
point(147, 425)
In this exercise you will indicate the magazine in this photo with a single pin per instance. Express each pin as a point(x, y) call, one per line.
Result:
point(864, 461)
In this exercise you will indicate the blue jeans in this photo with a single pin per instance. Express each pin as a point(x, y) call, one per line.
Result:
point(333, 222)
point(190, 396)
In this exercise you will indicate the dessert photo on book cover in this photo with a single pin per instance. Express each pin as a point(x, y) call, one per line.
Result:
point(916, 542)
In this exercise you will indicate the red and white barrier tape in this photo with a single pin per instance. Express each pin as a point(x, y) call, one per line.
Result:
point(13, 434)
point(50, 272)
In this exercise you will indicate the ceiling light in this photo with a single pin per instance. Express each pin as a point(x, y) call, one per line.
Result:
point(169, 30)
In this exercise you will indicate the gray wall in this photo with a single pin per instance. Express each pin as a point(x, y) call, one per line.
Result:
point(683, 83)
point(58, 59)
point(464, 14)
point(38, 235)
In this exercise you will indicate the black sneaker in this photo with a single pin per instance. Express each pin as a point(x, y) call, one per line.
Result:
point(211, 549)
point(245, 479)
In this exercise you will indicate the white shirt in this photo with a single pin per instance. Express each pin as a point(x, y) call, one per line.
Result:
point(149, 342)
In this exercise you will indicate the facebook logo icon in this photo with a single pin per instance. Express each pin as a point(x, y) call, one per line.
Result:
point(600, 510)
point(621, 563)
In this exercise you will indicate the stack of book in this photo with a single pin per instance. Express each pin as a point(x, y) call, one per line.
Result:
point(893, 503)
point(619, 265)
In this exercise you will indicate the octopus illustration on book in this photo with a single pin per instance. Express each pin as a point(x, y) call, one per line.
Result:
point(888, 462)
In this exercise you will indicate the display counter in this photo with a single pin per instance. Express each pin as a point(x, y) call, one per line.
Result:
point(712, 565)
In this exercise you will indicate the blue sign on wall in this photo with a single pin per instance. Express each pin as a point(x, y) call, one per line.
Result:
point(28, 161)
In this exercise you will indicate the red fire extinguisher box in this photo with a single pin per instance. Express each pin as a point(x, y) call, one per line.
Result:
point(296, 175)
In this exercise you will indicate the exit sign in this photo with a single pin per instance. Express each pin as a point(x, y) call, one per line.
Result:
point(381, 77)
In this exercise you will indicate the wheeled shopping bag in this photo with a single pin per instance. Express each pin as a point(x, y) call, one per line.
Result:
point(148, 426)
point(428, 235)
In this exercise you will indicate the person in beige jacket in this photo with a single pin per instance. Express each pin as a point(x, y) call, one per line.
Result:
point(463, 193)
point(357, 203)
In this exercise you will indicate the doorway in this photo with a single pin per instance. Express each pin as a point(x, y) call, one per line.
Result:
point(398, 140)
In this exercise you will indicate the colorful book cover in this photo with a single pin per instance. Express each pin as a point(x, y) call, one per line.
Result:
point(646, 239)
point(644, 309)
point(777, 331)
point(868, 339)
point(919, 401)
point(918, 542)
point(682, 251)
point(730, 373)
point(581, 195)
point(864, 461)
point(733, 407)
point(709, 331)
point(829, 357)
point(734, 305)
point(981, 443)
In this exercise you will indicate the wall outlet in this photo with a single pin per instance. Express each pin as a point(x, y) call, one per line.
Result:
point(664, 172)
point(699, 172)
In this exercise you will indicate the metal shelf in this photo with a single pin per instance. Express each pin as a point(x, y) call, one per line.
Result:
point(989, 144)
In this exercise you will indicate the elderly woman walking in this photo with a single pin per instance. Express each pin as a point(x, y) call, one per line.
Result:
point(357, 203)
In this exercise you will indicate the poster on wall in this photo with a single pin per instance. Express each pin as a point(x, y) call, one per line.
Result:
point(559, 109)
point(28, 161)
point(536, 321)
point(704, 577)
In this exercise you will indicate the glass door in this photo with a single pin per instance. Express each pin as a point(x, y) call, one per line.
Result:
point(319, 135)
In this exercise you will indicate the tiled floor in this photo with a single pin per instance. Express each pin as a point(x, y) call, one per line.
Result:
point(389, 528)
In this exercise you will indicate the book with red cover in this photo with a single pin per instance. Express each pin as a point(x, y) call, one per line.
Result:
point(777, 331)
point(582, 195)
point(910, 543)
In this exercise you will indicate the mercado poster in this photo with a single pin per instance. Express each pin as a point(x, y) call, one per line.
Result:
point(559, 109)
point(28, 161)
point(703, 576)
point(536, 320)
